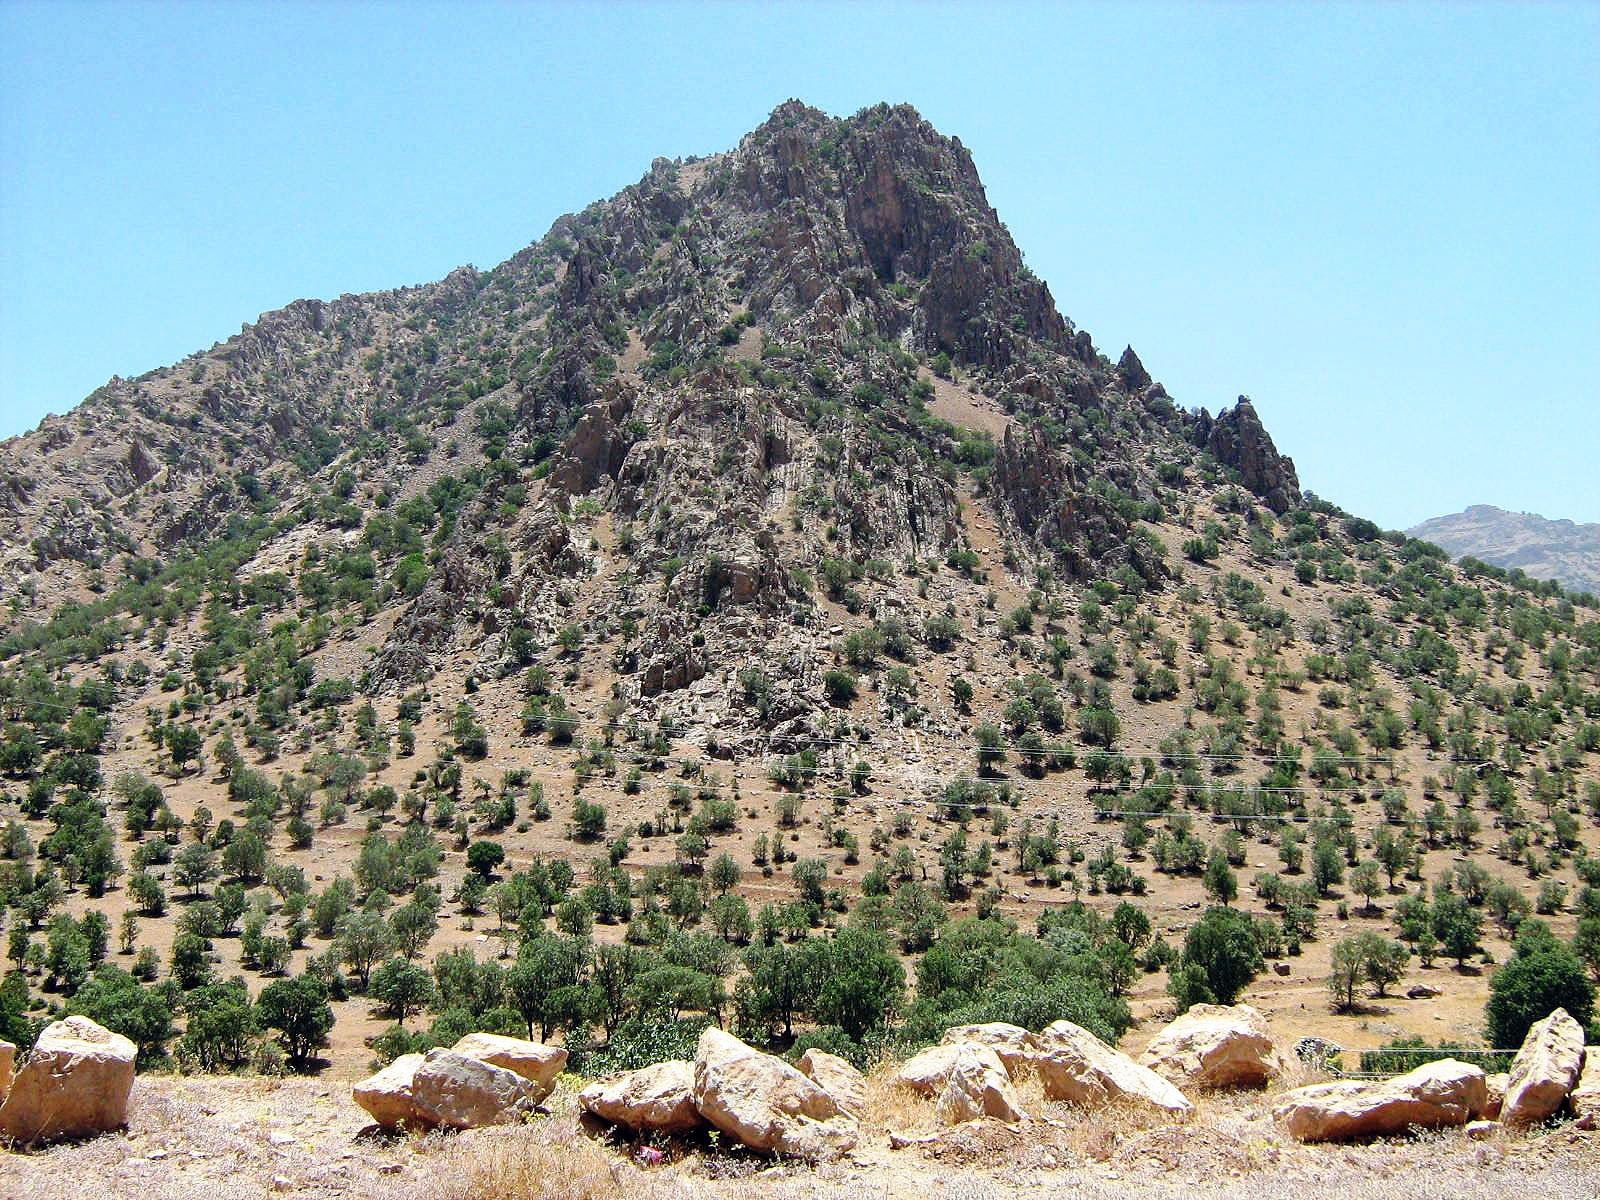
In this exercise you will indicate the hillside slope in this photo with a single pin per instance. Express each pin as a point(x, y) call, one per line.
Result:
point(758, 574)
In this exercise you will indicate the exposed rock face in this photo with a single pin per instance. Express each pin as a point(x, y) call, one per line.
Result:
point(1497, 1084)
point(838, 1078)
point(1015, 1045)
point(1434, 1096)
point(387, 1095)
point(1215, 1046)
point(8, 1062)
point(534, 1061)
point(1077, 1067)
point(1236, 438)
point(463, 1093)
point(658, 1098)
point(74, 1083)
point(1545, 1070)
point(765, 1103)
point(976, 1085)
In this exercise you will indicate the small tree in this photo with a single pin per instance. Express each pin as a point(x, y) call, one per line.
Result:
point(298, 1009)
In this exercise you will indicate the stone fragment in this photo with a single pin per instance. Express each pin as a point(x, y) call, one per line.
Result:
point(464, 1093)
point(386, 1096)
point(534, 1061)
point(1544, 1071)
point(838, 1078)
point(1215, 1046)
point(1434, 1096)
point(654, 1099)
point(75, 1082)
point(1077, 1067)
point(765, 1103)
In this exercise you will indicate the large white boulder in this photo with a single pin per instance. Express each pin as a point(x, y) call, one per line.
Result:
point(765, 1103)
point(387, 1095)
point(75, 1082)
point(1215, 1046)
point(654, 1099)
point(534, 1061)
point(1545, 1070)
point(1015, 1045)
point(838, 1078)
point(463, 1093)
point(977, 1086)
point(1077, 1067)
point(1435, 1095)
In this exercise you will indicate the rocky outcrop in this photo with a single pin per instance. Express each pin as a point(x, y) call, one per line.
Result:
point(764, 1103)
point(1236, 438)
point(1215, 1046)
point(74, 1083)
point(654, 1099)
point(8, 1063)
point(1545, 1070)
point(1077, 1067)
point(534, 1061)
point(1434, 1096)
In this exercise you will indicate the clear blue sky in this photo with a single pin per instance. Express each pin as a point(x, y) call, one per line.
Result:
point(1380, 221)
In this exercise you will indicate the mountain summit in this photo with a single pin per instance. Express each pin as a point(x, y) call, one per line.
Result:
point(830, 293)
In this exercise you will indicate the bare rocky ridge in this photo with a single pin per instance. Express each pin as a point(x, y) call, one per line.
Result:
point(1564, 551)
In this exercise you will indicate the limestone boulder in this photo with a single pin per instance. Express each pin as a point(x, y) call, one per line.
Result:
point(75, 1082)
point(1215, 1046)
point(453, 1090)
point(1077, 1067)
point(1545, 1070)
point(1434, 1096)
point(1015, 1045)
point(838, 1078)
point(654, 1099)
point(1497, 1094)
point(977, 1086)
point(926, 1071)
point(1585, 1098)
point(8, 1065)
point(534, 1061)
point(386, 1096)
point(764, 1103)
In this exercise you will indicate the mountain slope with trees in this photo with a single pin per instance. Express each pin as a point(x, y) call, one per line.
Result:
point(753, 602)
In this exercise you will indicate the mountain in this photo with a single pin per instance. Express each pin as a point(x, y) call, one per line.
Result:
point(1564, 551)
point(757, 565)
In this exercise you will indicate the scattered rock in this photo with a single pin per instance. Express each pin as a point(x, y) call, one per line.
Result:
point(837, 1077)
point(1435, 1095)
point(1422, 991)
point(1545, 1070)
point(1216, 1046)
point(977, 1086)
point(73, 1083)
point(658, 1098)
point(463, 1093)
point(1077, 1067)
point(1481, 1130)
point(765, 1103)
point(534, 1061)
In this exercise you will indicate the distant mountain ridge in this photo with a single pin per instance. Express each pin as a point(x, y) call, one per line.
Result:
point(1561, 550)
